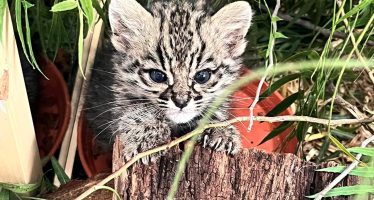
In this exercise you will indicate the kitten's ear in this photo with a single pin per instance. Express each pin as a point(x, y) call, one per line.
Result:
point(231, 23)
point(131, 24)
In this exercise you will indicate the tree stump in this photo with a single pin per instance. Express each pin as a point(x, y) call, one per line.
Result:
point(251, 174)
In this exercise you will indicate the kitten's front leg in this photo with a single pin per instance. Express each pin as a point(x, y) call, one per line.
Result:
point(226, 139)
point(143, 137)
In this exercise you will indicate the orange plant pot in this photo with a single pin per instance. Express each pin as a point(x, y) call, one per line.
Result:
point(95, 162)
point(53, 109)
point(241, 101)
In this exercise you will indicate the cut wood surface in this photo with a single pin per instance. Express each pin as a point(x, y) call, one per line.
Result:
point(251, 174)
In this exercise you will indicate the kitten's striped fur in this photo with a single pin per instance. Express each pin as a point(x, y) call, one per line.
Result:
point(178, 39)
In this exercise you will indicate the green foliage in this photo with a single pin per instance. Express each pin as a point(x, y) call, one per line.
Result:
point(4, 194)
point(348, 190)
point(277, 84)
point(64, 6)
point(20, 188)
point(59, 171)
point(359, 171)
point(3, 4)
point(363, 150)
point(88, 11)
point(280, 129)
point(286, 103)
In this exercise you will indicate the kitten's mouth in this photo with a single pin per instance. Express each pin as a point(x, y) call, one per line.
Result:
point(180, 116)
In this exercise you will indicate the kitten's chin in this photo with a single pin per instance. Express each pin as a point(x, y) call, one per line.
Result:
point(181, 117)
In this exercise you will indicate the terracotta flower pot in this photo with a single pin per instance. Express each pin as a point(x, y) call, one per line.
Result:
point(52, 115)
point(241, 101)
point(95, 162)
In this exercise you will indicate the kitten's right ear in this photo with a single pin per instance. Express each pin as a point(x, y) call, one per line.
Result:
point(131, 25)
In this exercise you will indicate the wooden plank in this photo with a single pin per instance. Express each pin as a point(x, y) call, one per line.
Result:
point(69, 144)
point(20, 161)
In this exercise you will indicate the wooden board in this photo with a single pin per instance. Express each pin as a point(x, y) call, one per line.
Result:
point(69, 144)
point(20, 162)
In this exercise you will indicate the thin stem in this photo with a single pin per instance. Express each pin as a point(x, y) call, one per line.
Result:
point(270, 63)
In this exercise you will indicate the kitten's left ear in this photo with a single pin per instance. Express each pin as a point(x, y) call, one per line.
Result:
point(231, 23)
point(133, 26)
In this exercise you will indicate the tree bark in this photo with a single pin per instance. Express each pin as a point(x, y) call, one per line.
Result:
point(251, 174)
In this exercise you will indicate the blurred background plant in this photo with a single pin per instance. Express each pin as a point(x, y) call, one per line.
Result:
point(307, 30)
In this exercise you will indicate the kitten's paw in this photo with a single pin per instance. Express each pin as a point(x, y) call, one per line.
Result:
point(222, 139)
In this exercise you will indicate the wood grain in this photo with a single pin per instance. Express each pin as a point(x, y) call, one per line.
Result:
point(252, 174)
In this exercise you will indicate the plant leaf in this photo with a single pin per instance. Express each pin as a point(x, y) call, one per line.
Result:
point(18, 13)
point(3, 4)
point(99, 10)
point(282, 127)
point(358, 171)
point(279, 35)
point(275, 19)
point(277, 84)
point(4, 194)
point(355, 10)
point(80, 44)
point(26, 6)
point(20, 188)
point(64, 6)
point(340, 146)
point(347, 190)
point(363, 150)
point(88, 11)
point(287, 102)
point(59, 171)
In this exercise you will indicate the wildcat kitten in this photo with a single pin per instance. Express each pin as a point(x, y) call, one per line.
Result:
point(162, 70)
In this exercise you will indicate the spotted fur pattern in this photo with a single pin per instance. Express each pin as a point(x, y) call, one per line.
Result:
point(179, 39)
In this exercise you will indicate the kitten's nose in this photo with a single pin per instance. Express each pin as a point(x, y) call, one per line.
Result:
point(180, 101)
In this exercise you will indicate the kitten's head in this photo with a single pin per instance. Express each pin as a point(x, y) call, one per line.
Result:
point(177, 55)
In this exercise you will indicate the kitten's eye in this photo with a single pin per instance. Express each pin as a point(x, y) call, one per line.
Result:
point(202, 76)
point(158, 76)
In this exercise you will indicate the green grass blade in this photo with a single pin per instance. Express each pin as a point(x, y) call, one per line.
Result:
point(64, 6)
point(99, 10)
point(3, 4)
point(277, 84)
point(341, 146)
point(280, 129)
point(18, 13)
point(26, 6)
point(356, 9)
point(362, 150)
point(309, 55)
point(80, 43)
point(88, 10)
point(282, 106)
point(59, 171)
point(358, 171)
point(348, 190)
